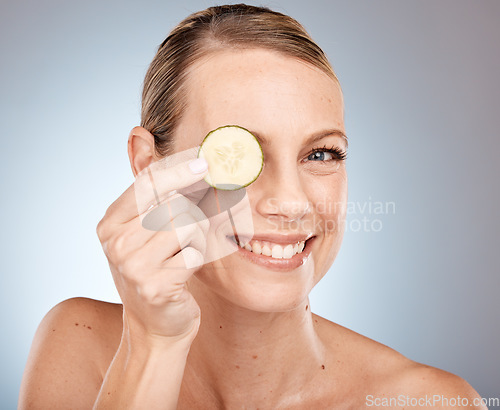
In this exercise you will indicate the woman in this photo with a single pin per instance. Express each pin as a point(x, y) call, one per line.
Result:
point(197, 332)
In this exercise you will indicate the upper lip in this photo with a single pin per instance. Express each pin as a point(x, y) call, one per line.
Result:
point(279, 238)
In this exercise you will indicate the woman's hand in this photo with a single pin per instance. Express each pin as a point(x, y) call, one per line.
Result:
point(150, 267)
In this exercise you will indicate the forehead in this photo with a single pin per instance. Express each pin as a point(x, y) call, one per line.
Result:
point(260, 90)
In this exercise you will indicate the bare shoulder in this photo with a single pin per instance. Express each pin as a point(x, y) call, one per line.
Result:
point(427, 384)
point(71, 351)
point(388, 375)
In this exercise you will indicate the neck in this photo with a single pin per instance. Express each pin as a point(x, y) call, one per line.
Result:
point(240, 353)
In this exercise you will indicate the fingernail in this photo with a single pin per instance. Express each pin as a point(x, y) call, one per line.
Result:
point(198, 165)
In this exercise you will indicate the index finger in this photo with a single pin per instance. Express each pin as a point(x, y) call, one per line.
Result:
point(154, 184)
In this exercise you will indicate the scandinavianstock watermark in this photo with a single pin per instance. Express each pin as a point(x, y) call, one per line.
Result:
point(352, 216)
point(431, 401)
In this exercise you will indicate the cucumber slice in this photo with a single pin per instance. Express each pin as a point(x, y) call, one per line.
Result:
point(235, 158)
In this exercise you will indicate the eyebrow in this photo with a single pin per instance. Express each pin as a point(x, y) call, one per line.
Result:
point(313, 138)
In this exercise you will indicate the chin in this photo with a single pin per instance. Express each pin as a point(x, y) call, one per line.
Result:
point(258, 288)
point(275, 298)
point(265, 297)
point(262, 283)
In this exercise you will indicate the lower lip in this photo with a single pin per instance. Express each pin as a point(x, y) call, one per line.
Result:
point(278, 264)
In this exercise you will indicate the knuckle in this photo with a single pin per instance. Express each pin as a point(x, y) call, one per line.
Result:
point(156, 295)
point(101, 229)
point(192, 258)
point(174, 292)
point(130, 267)
point(186, 234)
point(114, 247)
point(150, 293)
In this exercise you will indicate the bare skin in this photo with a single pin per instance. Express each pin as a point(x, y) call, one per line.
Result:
point(258, 345)
point(68, 364)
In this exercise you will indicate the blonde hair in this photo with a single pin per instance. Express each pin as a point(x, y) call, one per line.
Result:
point(236, 26)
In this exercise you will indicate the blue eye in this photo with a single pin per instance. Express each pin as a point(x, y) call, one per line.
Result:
point(333, 154)
point(320, 156)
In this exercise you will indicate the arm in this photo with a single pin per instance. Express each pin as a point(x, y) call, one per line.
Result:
point(68, 361)
point(142, 375)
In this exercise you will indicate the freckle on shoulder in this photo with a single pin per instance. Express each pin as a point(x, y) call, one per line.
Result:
point(87, 314)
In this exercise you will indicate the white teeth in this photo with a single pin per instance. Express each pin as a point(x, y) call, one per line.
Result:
point(277, 252)
point(288, 252)
point(256, 248)
point(274, 250)
point(266, 250)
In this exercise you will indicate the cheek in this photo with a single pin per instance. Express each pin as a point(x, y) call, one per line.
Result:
point(328, 196)
point(329, 200)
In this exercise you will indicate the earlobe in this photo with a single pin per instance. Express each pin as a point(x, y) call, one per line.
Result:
point(140, 149)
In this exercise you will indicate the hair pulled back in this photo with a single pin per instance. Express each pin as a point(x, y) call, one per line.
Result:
point(237, 26)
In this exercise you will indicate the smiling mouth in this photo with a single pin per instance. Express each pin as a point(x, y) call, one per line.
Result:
point(273, 250)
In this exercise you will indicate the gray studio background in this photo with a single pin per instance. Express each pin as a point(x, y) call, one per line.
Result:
point(421, 88)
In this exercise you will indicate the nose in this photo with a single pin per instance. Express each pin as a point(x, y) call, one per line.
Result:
point(281, 194)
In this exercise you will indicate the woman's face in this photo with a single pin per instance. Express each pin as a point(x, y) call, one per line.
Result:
point(295, 108)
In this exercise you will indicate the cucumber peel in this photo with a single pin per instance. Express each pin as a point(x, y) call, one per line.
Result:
point(235, 157)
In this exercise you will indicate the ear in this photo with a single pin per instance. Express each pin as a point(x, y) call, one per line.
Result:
point(141, 149)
